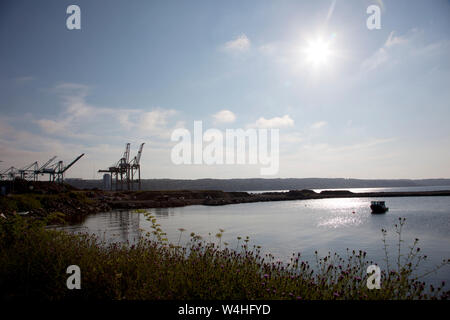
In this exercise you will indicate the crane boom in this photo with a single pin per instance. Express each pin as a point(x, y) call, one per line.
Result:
point(47, 163)
point(29, 166)
point(9, 169)
point(126, 155)
point(72, 163)
point(138, 157)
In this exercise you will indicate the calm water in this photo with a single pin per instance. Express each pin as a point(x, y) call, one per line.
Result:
point(285, 227)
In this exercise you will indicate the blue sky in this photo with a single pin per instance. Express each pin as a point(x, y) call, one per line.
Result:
point(377, 107)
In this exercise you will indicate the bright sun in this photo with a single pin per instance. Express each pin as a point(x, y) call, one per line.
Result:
point(318, 52)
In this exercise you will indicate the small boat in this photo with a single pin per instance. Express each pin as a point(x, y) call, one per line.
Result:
point(378, 207)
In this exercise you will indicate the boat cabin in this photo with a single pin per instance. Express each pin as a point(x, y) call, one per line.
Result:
point(378, 207)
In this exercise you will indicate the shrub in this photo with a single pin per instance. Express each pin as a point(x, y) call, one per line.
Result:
point(33, 262)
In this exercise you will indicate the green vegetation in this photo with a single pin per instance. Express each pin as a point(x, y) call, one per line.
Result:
point(20, 202)
point(33, 262)
point(72, 205)
point(33, 201)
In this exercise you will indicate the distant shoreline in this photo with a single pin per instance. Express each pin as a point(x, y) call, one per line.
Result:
point(263, 184)
point(181, 198)
point(40, 199)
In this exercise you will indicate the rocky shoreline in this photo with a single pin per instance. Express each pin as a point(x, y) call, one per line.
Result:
point(161, 199)
point(39, 199)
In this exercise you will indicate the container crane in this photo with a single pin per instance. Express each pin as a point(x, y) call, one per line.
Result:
point(9, 173)
point(125, 169)
point(28, 171)
point(62, 169)
point(136, 167)
point(43, 169)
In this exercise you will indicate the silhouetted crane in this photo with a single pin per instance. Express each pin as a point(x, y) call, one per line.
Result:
point(136, 167)
point(44, 168)
point(28, 172)
point(9, 173)
point(61, 169)
point(125, 169)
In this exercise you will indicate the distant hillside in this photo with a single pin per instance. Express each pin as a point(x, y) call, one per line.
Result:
point(266, 184)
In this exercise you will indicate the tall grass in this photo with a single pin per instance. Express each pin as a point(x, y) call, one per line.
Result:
point(33, 262)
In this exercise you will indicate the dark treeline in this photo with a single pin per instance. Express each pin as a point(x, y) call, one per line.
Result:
point(266, 184)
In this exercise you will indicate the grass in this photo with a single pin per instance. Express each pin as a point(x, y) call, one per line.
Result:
point(20, 202)
point(33, 201)
point(33, 262)
point(71, 205)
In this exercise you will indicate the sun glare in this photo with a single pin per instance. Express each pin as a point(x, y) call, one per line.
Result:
point(318, 52)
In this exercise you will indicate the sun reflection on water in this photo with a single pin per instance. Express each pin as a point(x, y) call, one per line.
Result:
point(343, 212)
point(340, 221)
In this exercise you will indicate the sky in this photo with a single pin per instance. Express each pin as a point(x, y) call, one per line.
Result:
point(348, 101)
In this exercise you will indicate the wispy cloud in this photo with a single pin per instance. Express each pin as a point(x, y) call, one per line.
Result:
point(239, 44)
point(155, 122)
point(397, 47)
point(24, 79)
point(81, 120)
point(383, 54)
point(395, 40)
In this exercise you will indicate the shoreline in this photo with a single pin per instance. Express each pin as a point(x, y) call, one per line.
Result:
point(43, 199)
point(162, 199)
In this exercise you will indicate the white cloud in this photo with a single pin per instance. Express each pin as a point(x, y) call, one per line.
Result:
point(240, 44)
point(318, 125)
point(51, 126)
point(276, 122)
point(155, 122)
point(224, 116)
point(80, 120)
